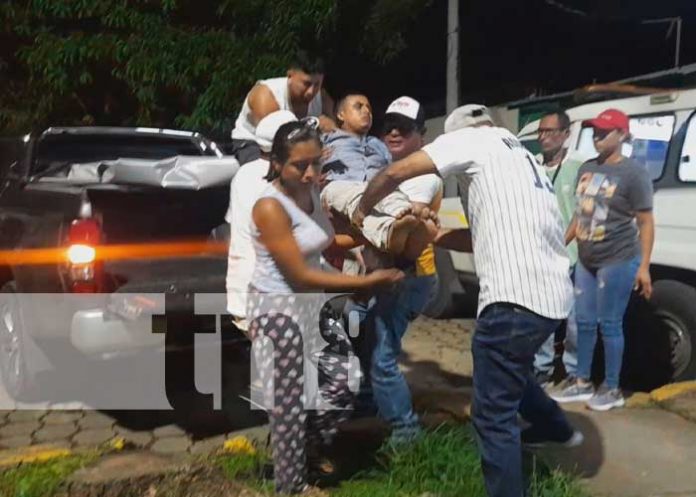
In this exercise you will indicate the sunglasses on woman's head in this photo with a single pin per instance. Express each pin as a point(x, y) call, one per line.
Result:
point(308, 125)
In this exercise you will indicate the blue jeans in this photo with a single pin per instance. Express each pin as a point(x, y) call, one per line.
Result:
point(504, 344)
point(543, 361)
point(386, 320)
point(601, 298)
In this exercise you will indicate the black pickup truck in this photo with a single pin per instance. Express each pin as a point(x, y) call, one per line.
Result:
point(65, 234)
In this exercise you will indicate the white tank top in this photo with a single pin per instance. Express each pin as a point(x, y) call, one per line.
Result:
point(243, 127)
point(313, 234)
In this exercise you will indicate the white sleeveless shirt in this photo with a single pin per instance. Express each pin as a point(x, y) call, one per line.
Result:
point(313, 234)
point(243, 127)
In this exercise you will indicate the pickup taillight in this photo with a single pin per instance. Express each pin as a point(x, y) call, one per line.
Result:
point(84, 271)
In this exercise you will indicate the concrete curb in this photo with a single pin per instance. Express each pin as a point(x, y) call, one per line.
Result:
point(661, 396)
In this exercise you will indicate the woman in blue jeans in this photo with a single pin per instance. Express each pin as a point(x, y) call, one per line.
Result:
point(614, 227)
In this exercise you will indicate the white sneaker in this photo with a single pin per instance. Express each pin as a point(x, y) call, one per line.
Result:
point(529, 441)
point(606, 399)
point(574, 393)
point(576, 439)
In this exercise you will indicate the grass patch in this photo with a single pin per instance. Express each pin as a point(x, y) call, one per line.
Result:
point(444, 462)
point(40, 479)
point(556, 484)
point(249, 468)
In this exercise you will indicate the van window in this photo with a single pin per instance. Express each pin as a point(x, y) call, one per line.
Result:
point(531, 144)
point(651, 137)
point(687, 161)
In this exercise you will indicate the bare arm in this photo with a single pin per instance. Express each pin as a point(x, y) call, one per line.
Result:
point(261, 102)
point(437, 201)
point(416, 164)
point(571, 231)
point(454, 239)
point(346, 241)
point(346, 237)
point(646, 228)
point(275, 233)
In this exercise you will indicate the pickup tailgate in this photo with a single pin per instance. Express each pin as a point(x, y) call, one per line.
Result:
point(154, 230)
point(137, 215)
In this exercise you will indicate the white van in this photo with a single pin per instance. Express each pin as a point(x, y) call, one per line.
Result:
point(661, 335)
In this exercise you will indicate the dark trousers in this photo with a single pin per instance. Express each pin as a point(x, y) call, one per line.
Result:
point(245, 151)
point(506, 339)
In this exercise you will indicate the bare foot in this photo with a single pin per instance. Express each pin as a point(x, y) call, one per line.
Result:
point(419, 239)
point(400, 231)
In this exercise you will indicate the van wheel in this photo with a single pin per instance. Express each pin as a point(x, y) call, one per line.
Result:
point(13, 367)
point(442, 304)
point(674, 307)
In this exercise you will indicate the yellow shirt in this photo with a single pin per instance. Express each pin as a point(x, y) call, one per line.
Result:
point(425, 264)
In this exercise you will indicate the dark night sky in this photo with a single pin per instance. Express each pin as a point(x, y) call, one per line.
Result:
point(512, 48)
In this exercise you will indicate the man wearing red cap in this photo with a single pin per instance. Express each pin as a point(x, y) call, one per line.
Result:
point(614, 227)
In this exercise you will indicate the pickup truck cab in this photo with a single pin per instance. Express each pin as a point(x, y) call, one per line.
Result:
point(54, 218)
point(661, 334)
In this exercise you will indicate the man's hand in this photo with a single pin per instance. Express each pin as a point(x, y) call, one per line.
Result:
point(381, 278)
point(454, 239)
point(358, 218)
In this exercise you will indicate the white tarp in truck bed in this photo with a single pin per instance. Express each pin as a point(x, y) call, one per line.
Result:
point(185, 172)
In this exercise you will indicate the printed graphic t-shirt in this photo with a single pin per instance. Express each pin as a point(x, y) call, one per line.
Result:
point(609, 196)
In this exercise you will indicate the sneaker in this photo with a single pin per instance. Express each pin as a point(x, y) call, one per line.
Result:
point(574, 393)
point(606, 399)
point(533, 441)
point(404, 435)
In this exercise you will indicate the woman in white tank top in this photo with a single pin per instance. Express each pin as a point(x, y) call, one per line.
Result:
point(290, 230)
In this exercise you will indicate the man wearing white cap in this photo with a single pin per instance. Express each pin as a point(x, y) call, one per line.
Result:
point(402, 132)
point(522, 267)
point(245, 190)
point(404, 125)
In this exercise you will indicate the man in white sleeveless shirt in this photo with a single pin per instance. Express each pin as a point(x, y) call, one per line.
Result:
point(245, 190)
point(299, 92)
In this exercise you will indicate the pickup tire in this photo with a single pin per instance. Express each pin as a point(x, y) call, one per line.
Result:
point(674, 305)
point(15, 375)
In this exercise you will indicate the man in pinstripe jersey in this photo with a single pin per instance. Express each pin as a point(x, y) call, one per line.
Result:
point(522, 265)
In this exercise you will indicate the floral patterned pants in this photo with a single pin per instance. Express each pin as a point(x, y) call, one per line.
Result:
point(283, 353)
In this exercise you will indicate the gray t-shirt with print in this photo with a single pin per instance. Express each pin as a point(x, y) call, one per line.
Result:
point(608, 198)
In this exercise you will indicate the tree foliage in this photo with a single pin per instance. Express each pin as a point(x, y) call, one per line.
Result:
point(185, 63)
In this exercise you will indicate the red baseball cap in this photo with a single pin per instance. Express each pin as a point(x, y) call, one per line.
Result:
point(609, 119)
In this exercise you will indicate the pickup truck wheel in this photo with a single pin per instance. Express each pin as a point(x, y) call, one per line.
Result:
point(13, 368)
point(674, 305)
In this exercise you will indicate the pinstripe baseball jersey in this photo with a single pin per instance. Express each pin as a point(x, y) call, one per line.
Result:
point(516, 225)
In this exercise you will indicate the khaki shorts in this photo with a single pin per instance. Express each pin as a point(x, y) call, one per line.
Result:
point(344, 197)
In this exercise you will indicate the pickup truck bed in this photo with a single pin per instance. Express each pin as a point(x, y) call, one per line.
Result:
point(146, 240)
